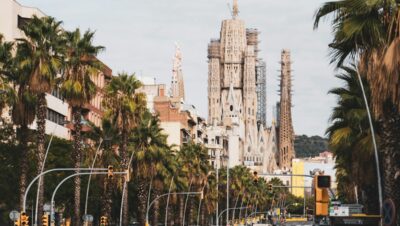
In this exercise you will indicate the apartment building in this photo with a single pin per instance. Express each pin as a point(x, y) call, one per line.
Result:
point(13, 15)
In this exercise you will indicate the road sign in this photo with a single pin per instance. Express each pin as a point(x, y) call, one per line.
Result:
point(340, 211)
point(47, 207)
point(14, 215)
point(389, 212)
point(88, 218)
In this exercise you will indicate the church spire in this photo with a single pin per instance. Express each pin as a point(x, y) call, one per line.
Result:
point(235, 10)
point(177, 85)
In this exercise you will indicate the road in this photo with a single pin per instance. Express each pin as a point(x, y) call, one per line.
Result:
point(309, 223)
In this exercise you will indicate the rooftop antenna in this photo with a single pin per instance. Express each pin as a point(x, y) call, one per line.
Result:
point(234, 10)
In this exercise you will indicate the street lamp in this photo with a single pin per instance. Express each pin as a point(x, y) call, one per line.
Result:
point(202, 197)
point(227, 210)
point(44, 163)
point(169, 192)
point(46, 172)
point(71, 176)
point(187, 197)
point(157, 198)
point(90, 176)
point(124, 188)
point(377, 165)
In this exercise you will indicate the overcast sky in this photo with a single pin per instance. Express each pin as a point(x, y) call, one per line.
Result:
point(139, 37)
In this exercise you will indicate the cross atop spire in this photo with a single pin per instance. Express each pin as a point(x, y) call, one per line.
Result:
point(235, 10)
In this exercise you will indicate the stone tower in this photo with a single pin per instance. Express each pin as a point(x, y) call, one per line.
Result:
point(177, 84)
point(261, 93)
point(286, 133)
point(232, 97)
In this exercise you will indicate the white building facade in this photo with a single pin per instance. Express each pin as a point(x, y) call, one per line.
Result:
point(12, 16)
point(232, 96)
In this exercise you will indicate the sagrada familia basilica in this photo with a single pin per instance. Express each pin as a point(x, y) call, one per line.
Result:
point(236, 131)
point(237, 102)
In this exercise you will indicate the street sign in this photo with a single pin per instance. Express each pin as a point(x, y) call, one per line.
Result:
point(389, 212)
point(14, 215)
point(88, 218)
point(339, 211)
point(47, 207)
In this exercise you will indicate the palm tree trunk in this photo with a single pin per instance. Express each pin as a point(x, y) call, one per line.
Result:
point(142, 200)
point(77, 163)
point(156, 211)
point(181, 208)
point(192, 206)
point(41, 141)
point(390, 141)
point(123, 151)
point(203, 214)
point(107, 198)
point(173, 211)
point(23, 136)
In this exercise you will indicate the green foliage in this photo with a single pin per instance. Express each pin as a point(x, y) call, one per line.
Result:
point(350, 138)
point(309, 146)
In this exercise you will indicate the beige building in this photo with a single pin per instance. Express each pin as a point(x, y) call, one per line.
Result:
point(179, 120)
point(232, 96)
point(13, 15)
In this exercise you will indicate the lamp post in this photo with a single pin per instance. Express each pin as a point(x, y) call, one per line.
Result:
point(378, 171)
point(124, 188)
point(202, 197)
point(176, 193)
point(169, 193)
point(187, 197)
point(227, 189)
point(49, 171)
point(41, 170)
point(71, 176)
point(90, 175)
point(217, 180)
point(227, 209)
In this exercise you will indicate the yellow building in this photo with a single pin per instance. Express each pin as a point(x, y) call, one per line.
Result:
point(298, 168)
point(324, 162)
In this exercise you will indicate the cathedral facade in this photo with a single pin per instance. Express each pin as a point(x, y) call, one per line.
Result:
point(233, 98)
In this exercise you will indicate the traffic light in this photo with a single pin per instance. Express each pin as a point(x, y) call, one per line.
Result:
point(110, 173)
point(321, 185)
point(270, 188)
point(45, 220)
point(255, 177)
point(324, 181)
point(103, 221)
point(24, 219)
point(17, 222)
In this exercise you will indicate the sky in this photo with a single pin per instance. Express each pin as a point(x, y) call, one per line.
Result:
point(140, 37)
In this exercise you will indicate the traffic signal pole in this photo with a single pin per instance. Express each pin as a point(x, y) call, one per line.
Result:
point(71, 176)
point(49, 171)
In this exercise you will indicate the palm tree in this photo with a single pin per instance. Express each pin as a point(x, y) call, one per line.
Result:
point(240, 181)
point(22, 104)
point(107, 135)
point(41, 49)
point(8, 96)
point(371, 29)
point(123, 108)
point(78, 89)
point(150, 149)
point(350, 138)
point(194, 160)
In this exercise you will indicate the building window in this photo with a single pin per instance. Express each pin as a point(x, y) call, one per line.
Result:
point(56, 93)
point(22, 21)
point(55, 117)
